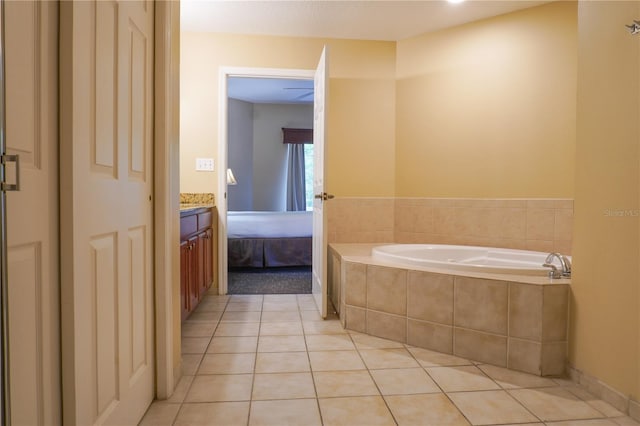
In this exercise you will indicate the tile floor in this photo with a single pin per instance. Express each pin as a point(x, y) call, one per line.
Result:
point(271, 360)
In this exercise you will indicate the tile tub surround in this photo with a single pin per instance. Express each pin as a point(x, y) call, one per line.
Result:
point(528, 224)
point(508, 321)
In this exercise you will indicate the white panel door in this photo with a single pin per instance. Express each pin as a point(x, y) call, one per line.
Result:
point(31, 67)
point(319, 250)
point(106, 211)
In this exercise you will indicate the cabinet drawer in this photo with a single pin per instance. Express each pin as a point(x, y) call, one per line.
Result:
point(188, 225)
point(204, 220)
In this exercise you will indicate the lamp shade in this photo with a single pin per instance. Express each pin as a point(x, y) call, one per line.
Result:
point(231, 179)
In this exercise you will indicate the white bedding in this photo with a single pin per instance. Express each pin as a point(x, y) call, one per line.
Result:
point(269, 224)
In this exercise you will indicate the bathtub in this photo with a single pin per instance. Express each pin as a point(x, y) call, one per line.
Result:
point(489, 305)
point(465, 258)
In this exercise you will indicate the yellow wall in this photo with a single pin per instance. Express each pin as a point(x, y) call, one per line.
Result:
point(488, 109)
point(361, 113)
point(605, 323)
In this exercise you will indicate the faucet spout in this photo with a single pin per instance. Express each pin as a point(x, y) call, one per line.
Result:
point(565, 264)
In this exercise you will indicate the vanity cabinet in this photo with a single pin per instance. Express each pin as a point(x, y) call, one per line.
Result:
point(198, 256)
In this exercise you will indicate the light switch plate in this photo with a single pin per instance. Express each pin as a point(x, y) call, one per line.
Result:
point(204, 164)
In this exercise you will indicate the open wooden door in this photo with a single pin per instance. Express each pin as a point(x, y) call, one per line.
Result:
point(106, 70)
point(31, 82)
point(319, 276)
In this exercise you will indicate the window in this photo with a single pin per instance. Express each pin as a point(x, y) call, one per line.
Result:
point(308, 175)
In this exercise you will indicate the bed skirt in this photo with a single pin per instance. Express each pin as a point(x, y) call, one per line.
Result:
point(269, 252)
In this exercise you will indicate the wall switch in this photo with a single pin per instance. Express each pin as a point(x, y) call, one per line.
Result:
point(204, 164)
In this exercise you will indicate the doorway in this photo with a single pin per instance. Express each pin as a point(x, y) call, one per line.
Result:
point(269, 185)
point(256, 195)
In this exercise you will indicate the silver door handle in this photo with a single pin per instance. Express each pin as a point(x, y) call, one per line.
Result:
point(323, 196)
point(4, 159)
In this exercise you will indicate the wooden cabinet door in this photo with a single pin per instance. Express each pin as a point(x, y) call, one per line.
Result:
point(194, 283)
point(206, 243)
point(184, 279)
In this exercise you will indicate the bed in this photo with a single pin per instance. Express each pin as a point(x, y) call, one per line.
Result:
point(269, 239)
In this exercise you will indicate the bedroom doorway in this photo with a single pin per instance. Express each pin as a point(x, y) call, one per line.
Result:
point(267, 243)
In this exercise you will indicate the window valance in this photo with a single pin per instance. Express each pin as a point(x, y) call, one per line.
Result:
point(297, 135)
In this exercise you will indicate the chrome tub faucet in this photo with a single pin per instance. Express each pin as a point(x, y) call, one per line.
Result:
point(565, 264)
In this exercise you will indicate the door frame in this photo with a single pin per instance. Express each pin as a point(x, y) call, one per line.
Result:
point(166, 206)
point(223, 143)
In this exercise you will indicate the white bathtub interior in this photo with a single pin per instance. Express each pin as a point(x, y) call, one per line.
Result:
point(468, 258)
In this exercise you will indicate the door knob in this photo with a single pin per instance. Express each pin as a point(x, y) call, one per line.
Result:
point(324, 196)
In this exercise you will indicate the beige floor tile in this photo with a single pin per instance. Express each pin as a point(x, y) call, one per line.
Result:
point(510, 379)
point(280, 298)
point(376, 359)
point(459, 379)
point(198, 329)
point(563, 381)
point(195, 345)
point(425, 410)
point(289, 328)
point(180, 392)
point(336, 361)
point(227, 363)
point(491, 407)
point(244, 307)
point(280, 306)
point(524, 424)
point(283, 386)
point(233, 344)
point(215, 388)
point(241, 316)
point(555, 404)
point(282, 362)
point(329, 342)
point(625, 421)
point(211, 305)
point(592, 422)
point(281, 344)
point(351, 411)
point(310, 315)
point(190, 364)
point(280, 316)
point(323, 327)
point(218, 413)
point(603, 407)
point(292, 412)
point(305, 298)
point(204, 316)
point(404, 381)
point(308, 306)
point(344, 383)
point(365, 341)
point(428, 358)
point(246, 298)
point(238, 329)
point(160, 414)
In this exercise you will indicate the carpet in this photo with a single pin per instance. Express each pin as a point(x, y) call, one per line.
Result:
point(290, 280)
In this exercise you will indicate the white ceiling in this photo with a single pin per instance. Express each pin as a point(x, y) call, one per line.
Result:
point(364, 20)
point(270, 90)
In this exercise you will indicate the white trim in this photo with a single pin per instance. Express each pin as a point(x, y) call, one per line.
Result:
point(166, 188)
point(223, 114)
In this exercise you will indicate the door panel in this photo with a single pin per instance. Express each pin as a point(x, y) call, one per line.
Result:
point(106, 215)
point(32, 213)
point(319, 278)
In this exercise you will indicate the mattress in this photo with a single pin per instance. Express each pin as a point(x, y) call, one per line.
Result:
point(269, 239)
point(269, 224)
